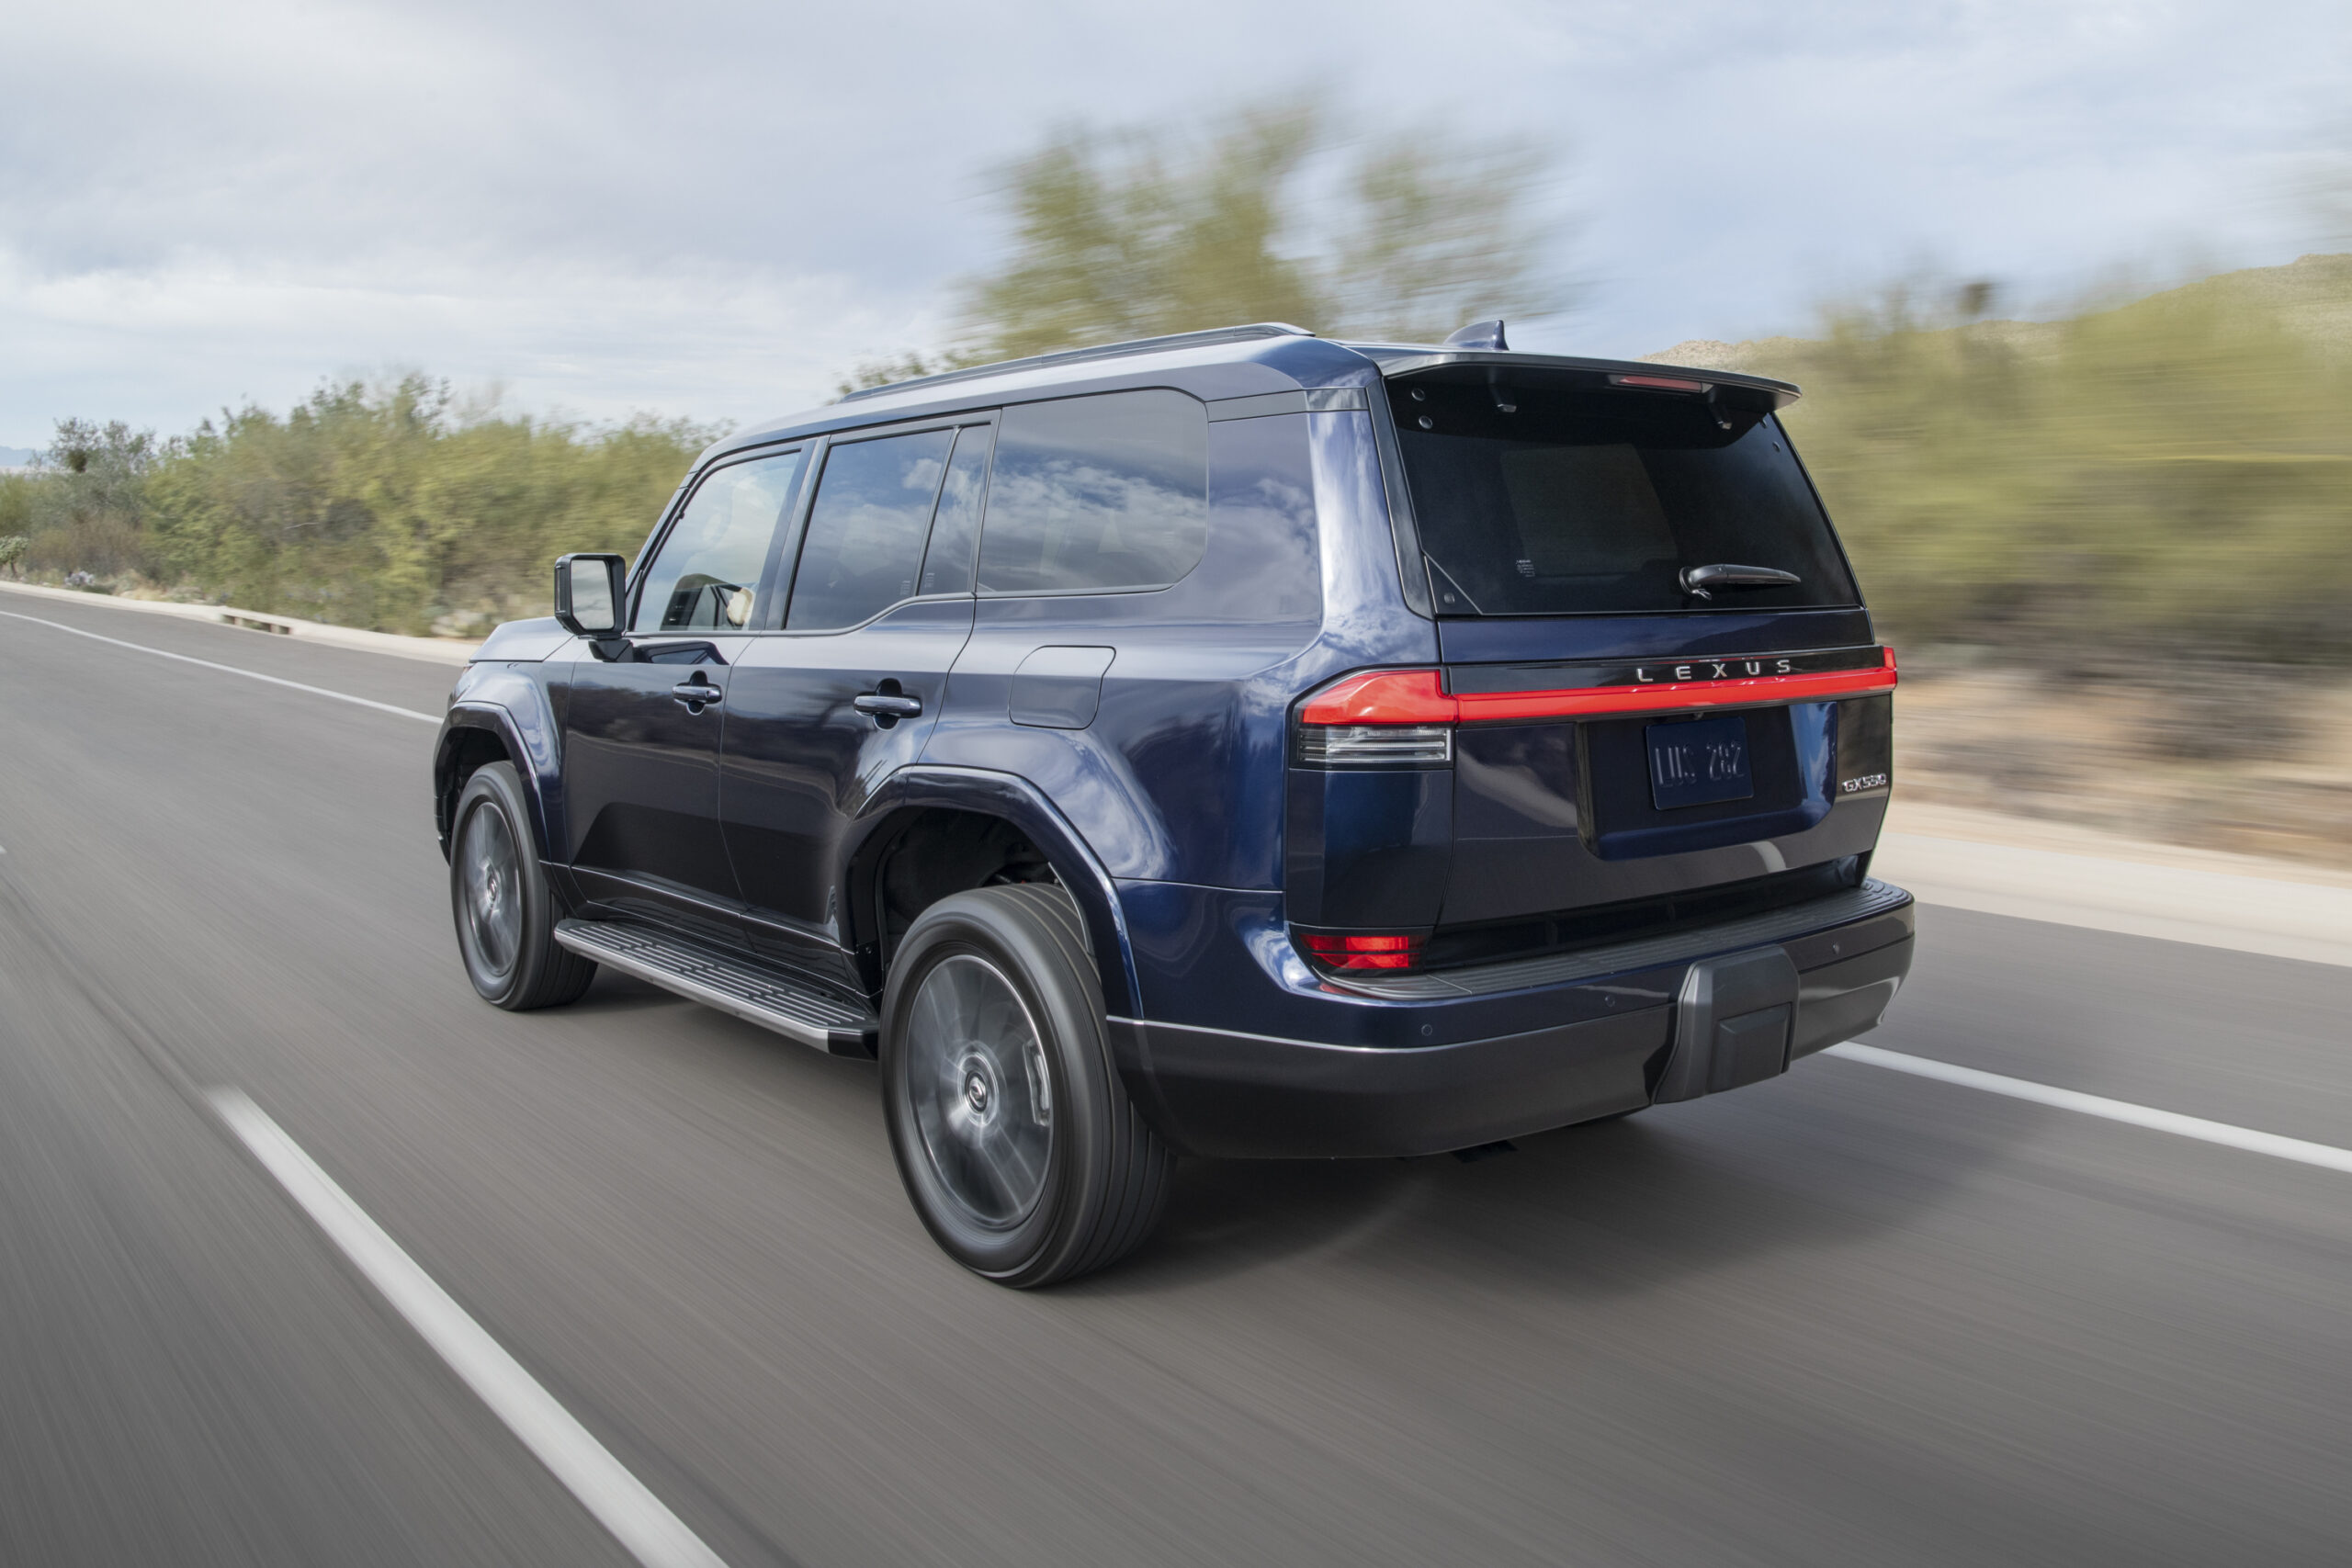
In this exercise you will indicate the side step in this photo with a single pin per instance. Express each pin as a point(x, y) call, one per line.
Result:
point(800, 1012)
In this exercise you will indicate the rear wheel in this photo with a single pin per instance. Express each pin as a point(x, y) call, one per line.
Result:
point(504, 909)
point(1015, 1138)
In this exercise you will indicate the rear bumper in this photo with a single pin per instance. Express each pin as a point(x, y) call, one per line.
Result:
point(1721, 1012)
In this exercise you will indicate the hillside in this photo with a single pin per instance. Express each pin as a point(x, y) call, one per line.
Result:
point(2309, 297)
point(2151, 501)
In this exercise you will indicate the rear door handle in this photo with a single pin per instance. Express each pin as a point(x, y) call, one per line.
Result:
point(695, 693)
point(888, 705)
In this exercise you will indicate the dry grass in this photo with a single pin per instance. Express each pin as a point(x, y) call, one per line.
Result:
point(2249, 760)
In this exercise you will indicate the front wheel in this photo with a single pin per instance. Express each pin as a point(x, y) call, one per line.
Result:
point(1017, 1143)
point(504, 909)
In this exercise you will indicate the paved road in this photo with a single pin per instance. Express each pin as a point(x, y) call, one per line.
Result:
point(1846, 1318)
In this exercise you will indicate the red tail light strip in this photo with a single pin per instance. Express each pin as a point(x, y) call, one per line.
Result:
point(1384, 696)
point(1417, 696)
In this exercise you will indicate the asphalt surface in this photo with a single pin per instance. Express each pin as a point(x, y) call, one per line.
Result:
point(1847, 1316)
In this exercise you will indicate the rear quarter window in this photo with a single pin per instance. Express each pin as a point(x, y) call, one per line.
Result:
point(1097, 494)
point(1573, 502)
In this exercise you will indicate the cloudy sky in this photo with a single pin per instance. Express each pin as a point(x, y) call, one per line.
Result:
point(714, 207)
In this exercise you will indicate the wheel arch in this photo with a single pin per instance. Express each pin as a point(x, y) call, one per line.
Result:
point(476, 733)
point(915, 794)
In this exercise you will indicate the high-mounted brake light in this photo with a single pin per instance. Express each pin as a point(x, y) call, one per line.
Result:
point(1658, 383)
point(1351, 950)
point(1405, 716)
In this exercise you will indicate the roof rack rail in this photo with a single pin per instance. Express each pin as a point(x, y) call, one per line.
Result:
point(1075, 356)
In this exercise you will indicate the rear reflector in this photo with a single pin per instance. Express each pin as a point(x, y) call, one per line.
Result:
point(1418, 697)
point(1353, 951)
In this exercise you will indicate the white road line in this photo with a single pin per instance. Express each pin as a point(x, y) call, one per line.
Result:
point(229, 669)
point(2326, 1155)
point(652, 1534)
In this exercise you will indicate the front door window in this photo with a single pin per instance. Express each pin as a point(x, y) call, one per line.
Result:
point(708, 570)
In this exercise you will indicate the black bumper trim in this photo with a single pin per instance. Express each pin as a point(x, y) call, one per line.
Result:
point(1243, 1096)
point(1229, 1094)
point(1648, 952)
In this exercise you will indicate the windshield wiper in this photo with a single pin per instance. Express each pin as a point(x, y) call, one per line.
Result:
point(1699, 581)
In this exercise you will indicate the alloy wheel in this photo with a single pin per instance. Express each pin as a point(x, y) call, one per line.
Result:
point(493, 889)
point(982, 1095)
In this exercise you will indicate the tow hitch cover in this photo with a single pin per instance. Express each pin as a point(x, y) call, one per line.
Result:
point(1730, 1024)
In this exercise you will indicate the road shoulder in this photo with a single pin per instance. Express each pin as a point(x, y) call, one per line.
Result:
point(2042, 871)
point(433, 649)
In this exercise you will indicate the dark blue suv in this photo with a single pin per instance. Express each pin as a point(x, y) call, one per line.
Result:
point(1239, 743)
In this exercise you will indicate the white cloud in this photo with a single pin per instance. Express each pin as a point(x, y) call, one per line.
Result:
point(598, 341)
point(714, 208)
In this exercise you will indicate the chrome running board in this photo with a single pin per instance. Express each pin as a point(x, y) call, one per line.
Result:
point(794, 1010)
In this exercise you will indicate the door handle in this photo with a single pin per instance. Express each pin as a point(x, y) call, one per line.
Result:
point(695, 693)
point(888, 705)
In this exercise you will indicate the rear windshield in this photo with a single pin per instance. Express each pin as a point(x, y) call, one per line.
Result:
point(1537, 501)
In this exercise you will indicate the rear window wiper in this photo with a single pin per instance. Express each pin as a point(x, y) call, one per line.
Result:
point(1700, 581)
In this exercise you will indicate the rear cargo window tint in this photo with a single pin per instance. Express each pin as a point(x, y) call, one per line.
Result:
point(708, 566)
point(866, 529)
point(1602, 496)
point(1541, 502)
point(1096, 494)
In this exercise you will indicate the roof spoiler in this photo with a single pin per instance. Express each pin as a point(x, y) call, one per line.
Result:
point(1631, 375)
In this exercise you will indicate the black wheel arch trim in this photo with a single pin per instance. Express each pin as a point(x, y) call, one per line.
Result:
point(985, 792)
point(534, 765)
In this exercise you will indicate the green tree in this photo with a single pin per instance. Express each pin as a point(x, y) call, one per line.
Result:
point(1441, 232)
point(2169, 477)
point(86, 509)
point(389, 506)
point(16, 493)
point(897, 368)
point(1133, 233)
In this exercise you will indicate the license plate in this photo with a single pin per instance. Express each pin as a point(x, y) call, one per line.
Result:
point(1699, 764)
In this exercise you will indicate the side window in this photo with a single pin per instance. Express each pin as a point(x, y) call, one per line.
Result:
point(708, 566)
point(947, 565)
point(865, 531)
point(1096, 493)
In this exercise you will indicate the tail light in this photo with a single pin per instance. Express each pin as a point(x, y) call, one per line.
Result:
point(1385, 718)
point(1406, 718)
point(1363, 950)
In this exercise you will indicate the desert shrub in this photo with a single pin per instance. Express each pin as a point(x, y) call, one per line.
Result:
point(391, 507)
point(2170, 476)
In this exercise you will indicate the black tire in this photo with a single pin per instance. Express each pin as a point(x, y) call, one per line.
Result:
point(994, 1010)
point(499, 895)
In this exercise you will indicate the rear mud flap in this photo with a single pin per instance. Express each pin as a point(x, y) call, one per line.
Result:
point(1732, 1023)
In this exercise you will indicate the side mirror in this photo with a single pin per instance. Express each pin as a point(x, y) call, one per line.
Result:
point(588, 595)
